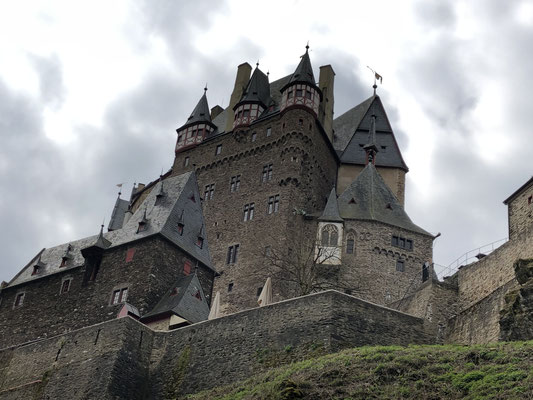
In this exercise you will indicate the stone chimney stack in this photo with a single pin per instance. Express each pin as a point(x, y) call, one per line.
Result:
point(325, 83)
point(215, 111)
point(241, 80)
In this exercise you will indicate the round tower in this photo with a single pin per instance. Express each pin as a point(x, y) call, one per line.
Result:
point(301, 90)
point(197, 127)
point(255, 99)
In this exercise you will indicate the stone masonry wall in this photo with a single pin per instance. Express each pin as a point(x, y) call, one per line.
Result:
point(520, 211)
point(480, 323)
point(45, 312)
point(123, 359)
point(370, 272)
point(480, 279)
point(303, 172)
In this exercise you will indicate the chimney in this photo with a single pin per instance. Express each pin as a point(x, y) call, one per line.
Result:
point(325, 83)
point(241, 80)
point(215, 111)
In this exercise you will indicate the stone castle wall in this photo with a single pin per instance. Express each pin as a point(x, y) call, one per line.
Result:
point(303, 170)
point(520, 212)
point(125, 359)
point(47, 312)
point(370, 272)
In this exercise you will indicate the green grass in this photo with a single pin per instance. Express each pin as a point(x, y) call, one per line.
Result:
point(495, 371)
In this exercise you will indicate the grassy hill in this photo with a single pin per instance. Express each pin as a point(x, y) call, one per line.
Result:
point(495, 371)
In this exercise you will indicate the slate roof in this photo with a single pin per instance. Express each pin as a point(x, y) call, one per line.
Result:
point(117, 216)
point(162, 215)
point(351, 131)
point(257, 90)
point(331, 211)
point(181, 299)
point(201, 113)
point(369, 198)
point(303, 72)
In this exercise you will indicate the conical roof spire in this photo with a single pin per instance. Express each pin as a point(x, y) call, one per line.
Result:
point(331, 211)
point(201, 111)
point(101, 241)
point(304, 70)
point(257, 90)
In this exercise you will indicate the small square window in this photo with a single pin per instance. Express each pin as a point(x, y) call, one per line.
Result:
point(65, 286)
point(299, 92)
point(268, 251)
point(19, 299)
point(230, 287)
point(129, 254)
point(400, 265)
point(218, 150)
point(254, 137)
point(186, 162)
point(119, 296)
point(269, 131)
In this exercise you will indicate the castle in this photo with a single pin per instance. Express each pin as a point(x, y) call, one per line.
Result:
point(271, 186)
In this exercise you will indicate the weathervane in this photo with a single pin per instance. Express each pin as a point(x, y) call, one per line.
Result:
point(377, 77)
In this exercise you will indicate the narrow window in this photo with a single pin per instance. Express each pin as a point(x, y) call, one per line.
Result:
point(383, 149)
point(269, 131)
point(246, 113)
point(230, 287)
point(35, 270)
point(254, 137)
point(187, 267)
point(186, 162)
point(400, 266)
point(129, 254)
point(209, 191)
point(530, 200)
point(218, 150)
point(267, 173)
point(401, 242)
point(409, 244)
point(350, 246)
point(180, 228)
point(248, 212)
point(200, 242)
point(259, 290)
point(325, 237)
point(19, 299)
point(268, 251)
point(65, 286)
point(232, 254)
point(235, 183)
point(395, 240)
point(299, 92)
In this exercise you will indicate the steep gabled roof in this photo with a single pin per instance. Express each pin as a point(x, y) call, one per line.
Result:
point(257, 90)
point(185, 298)
point(331, 211)
point(117, 217)
point(351, 134)
point(181, 193)
point(369, 198)
point(200, 113)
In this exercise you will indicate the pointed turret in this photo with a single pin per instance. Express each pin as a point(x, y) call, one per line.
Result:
point(301, 90)
point(331, 211)
point(197, 127)
point(255, 99)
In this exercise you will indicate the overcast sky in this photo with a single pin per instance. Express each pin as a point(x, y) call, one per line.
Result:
point(91, 94)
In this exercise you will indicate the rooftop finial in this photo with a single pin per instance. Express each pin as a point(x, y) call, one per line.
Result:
point(257, 64)
point(307, 47)
point(377, 77)
point(205, 88)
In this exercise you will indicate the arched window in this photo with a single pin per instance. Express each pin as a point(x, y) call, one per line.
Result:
point(350, 243)
point(330, 236)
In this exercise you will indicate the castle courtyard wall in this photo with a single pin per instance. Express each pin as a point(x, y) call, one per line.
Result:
point(125, 359)
point(520, 212)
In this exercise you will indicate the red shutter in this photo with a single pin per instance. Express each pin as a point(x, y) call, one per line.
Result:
point(187, 267)
point(129, 254)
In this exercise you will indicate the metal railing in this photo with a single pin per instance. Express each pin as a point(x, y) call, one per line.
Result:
point(469, 257)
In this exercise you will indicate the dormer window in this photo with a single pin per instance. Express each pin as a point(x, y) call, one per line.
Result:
point(180, 228)
point(36, 269)
point(143, 226)
point(19, 299)
point(64, 262)
point(200, 242)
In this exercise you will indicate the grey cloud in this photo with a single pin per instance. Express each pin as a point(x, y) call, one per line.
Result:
point(435, 14)
point(51, 84)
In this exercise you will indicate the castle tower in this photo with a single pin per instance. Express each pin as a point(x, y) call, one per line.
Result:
point(197, 127)
point(301, 90)
point(255, 99)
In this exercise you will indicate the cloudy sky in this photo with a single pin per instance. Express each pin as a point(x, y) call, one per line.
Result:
point(91, 94)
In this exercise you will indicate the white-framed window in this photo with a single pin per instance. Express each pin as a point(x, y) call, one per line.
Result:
point(329, 236)
point(119, 295)
point(248, 212)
